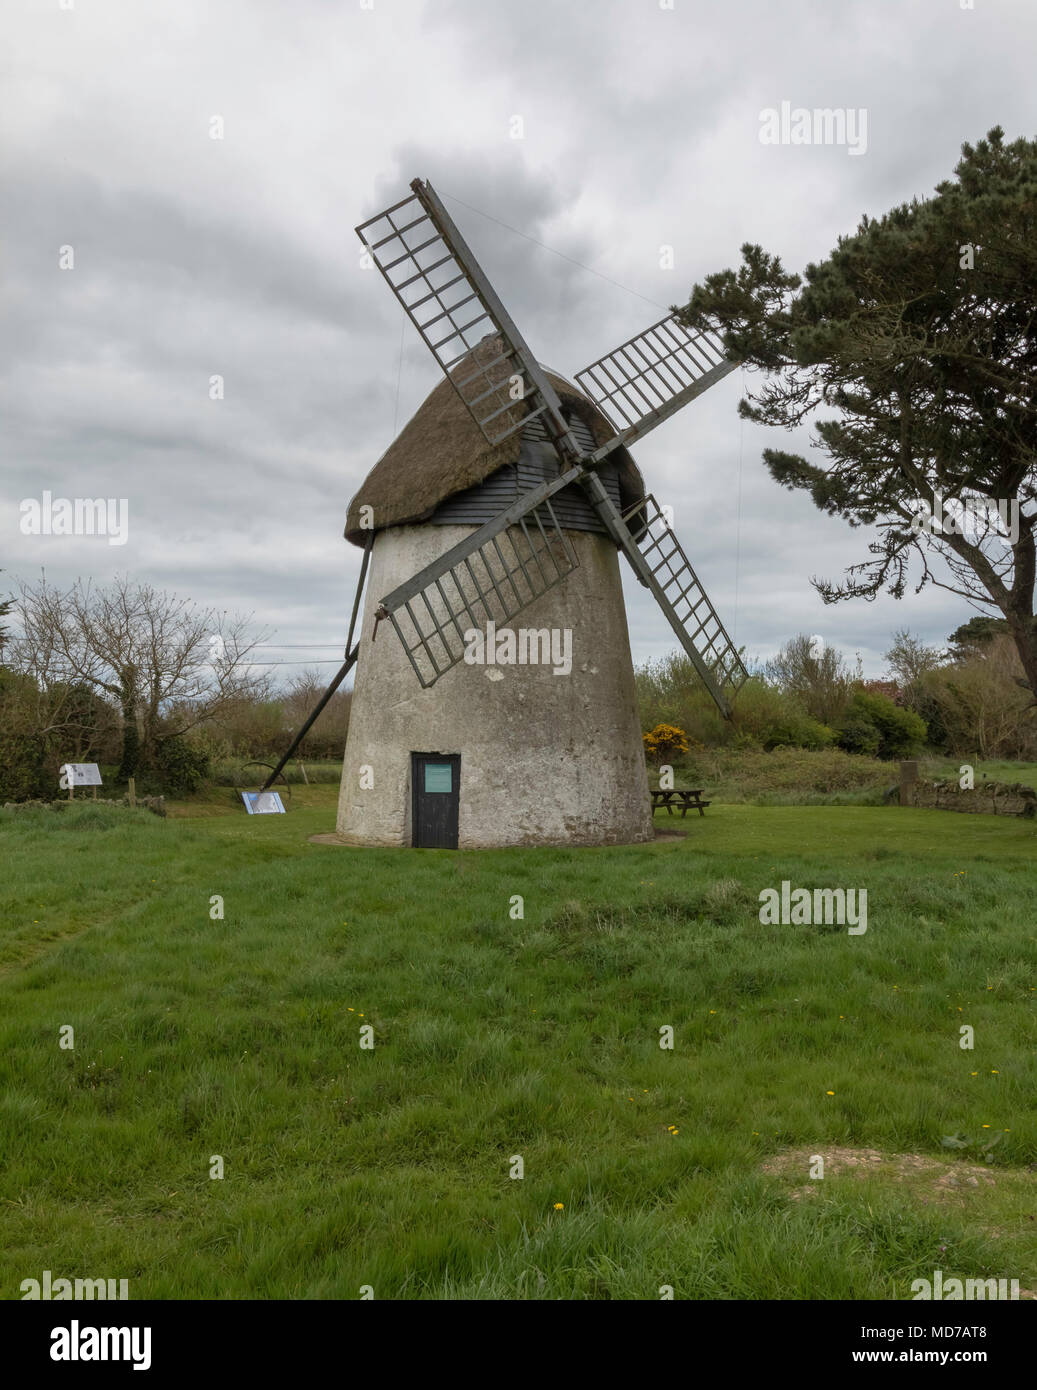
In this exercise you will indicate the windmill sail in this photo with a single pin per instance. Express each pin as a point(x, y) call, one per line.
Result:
point(505, 565)
point(649, 377)
point(659, 561)
point(444, 292)
point(490, 576)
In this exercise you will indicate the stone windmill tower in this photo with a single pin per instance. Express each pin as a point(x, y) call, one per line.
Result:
point(511, 492)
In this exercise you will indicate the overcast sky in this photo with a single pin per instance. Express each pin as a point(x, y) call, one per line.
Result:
point(639, 128)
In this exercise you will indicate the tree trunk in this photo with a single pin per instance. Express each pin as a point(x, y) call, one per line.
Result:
point(130, 732)
point(1024, 634)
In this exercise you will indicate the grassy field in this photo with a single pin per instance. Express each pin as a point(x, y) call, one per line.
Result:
point(991, 770)
point(496, 1036)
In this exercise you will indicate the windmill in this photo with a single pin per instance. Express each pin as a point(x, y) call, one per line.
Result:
point(511, 490)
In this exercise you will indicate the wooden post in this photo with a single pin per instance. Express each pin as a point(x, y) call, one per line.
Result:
point(131, 791)
point(304, 777)
point(908, 778)
point(94, 790)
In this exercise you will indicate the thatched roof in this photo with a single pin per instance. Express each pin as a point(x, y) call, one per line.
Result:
point(441, 451)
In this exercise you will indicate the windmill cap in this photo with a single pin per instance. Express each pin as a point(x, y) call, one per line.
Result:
point(441, 451)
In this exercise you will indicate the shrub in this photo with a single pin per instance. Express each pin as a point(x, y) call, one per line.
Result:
point(22, 769)
point(182, 766)
point(664, 742)
point(859, 735)
point(766, 717)
point(876, 726)
point(671, 692)
point(976, 706)
point(23, 751)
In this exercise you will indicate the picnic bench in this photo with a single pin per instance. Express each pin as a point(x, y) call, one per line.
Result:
point(685, 799)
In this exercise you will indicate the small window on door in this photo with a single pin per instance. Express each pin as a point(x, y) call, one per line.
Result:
point(439, 777)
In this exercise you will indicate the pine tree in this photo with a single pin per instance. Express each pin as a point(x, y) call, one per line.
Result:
point(920, 330)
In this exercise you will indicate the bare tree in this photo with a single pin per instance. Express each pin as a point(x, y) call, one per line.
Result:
point(816, 673)
point(166, 662)
point(328, 735)
point(910, 658)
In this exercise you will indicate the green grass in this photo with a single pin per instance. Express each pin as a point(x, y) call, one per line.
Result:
point(238, 772)
point(497, 1037)
point(993, 770)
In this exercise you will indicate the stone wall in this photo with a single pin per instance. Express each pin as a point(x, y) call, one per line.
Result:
point(157, 804)
point(989, 798)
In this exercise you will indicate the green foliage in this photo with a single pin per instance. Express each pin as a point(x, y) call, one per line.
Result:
point(876, 726)
point(23, 773)
point(670, 692)
point(857, 734)
point(976, 634)
point(183, 766)
point(766, 717)
point(23, 751)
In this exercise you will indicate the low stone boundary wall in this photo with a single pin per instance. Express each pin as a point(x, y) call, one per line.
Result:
point(989, 798)
point(156, 804)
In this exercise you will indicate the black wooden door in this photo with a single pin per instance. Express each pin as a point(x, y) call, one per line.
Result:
point(435, 780)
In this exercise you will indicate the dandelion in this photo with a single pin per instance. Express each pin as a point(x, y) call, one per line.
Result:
point(994, 1071)
point(559, 1206)
point(984, 1126)
point(829, 1093)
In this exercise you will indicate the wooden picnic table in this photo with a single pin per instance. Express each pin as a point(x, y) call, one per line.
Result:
point(686, 799)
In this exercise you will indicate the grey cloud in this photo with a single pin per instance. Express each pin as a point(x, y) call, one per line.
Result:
point(641, 129)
